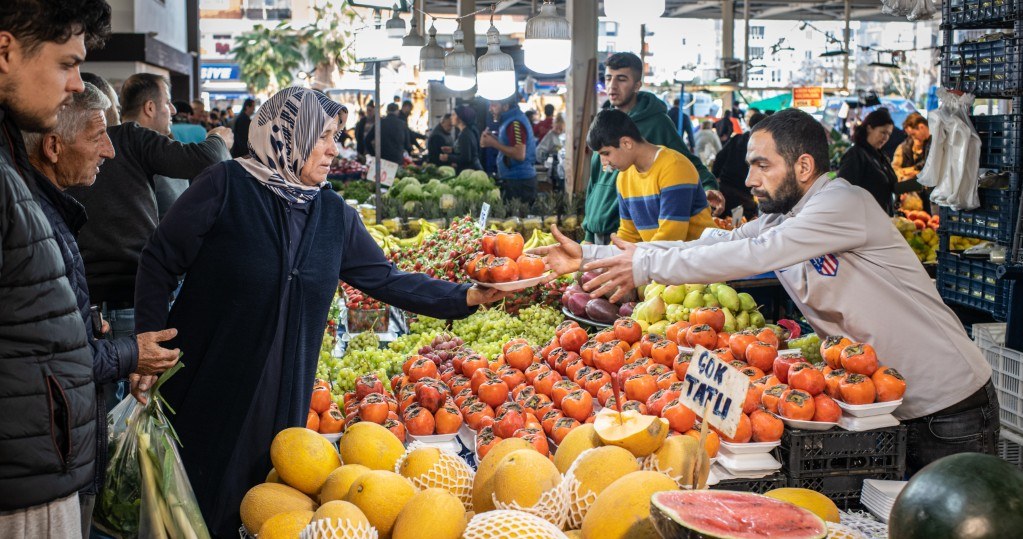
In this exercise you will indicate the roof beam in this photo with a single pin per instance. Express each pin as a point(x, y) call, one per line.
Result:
point(695, 6)
point(506, 4)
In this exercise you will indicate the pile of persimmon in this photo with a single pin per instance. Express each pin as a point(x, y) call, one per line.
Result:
point(500, 260)
point(425, 402)
point(324, 415)
point(854, 375)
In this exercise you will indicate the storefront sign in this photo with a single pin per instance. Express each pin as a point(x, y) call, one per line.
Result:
point(807, 96)
point(220, 72)
point(714, 389)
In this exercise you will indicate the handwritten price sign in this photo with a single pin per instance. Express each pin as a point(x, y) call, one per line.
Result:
point(714, 389)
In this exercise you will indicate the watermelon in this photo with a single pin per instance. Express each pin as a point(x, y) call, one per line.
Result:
point(724, 514)
point(965, 495)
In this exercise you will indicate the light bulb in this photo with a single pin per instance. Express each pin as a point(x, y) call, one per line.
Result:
point(548, 45)
point(496, 85)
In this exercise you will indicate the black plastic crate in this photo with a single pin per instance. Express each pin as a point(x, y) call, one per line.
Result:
point(983, 68)
point(980, 13)
point(973, 283)
point(756, 486)
point(994, 220)
point(812, 453)
point(1001, 139)
point(844, 488)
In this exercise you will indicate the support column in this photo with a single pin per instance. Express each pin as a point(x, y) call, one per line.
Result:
point(845, 46)
point(727, 45)
point(468, 24)
point(745, 41)
point(582, 16)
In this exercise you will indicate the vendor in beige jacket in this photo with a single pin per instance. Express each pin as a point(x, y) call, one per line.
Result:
point(847, 269)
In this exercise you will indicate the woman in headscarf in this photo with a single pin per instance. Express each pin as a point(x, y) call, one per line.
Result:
point(262, 248)
point(865, 165)
point(466, 154)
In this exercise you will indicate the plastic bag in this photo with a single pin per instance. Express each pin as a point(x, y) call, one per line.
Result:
point(147, 493)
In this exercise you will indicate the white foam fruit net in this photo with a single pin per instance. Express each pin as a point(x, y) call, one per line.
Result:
point(552, 506)
point(651, 463)
point(333, 528)
point(510, 524)
point(450, 473)
point(577, 498)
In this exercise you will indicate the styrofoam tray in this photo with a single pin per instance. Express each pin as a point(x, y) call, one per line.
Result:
point(582, 320)
point(807, 425)
point(869, 410)
point(762, 462)
point(446, 442)
point(514, 286)
point(748, 448)
point(860, 424)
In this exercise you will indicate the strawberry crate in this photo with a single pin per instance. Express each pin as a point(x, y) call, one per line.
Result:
point(994, 220)
point(756, 486)
point(973, 283)
point(1007, 374)
point(815, 453)
point(980, 13)
point(844, 488)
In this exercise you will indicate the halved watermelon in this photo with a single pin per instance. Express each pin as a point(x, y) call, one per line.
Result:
point(724, 514)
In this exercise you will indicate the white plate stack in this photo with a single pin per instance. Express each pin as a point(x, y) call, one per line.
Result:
point(878, 496)
point(863, 417)
point(746, 461)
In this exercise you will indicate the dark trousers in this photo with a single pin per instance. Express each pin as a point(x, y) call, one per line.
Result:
point(969, 426)
point(524, 190)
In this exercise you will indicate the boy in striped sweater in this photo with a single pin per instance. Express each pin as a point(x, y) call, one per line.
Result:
point(659, 192)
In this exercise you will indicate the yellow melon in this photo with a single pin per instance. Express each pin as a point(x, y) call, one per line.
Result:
point(592, 472)
point(381, 495)
point(273, 477)
point(483, 482)
point(266, 500)
point(303, 459)
point(507, 524)
point(429, 467)
point(339, 481)
point(286, 525)
point(622, 510)
point(580, 439)
point(678, 457)
point(341, 511)
point(641, 434)
point(811, 500)
point(523, 476)
point(370, 445)
point(433, 513)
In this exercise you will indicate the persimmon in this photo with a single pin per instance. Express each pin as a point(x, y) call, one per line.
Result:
point(595, 380)
point(494, 391)
point(480, 376)
point(702, 335)
point(397, 428)
point(475, 414)
point(587, 350)
point(711, 444)
point(312, 420)
point(711, 316)
point(609, 357)
point(639, 387)
point(656, 403)
point(772, 396)
point(562, 388)
point(635, 406)
point(769, 336)
point(666, 380)
point(761, 355)
point(578, 405)
point(831, 350)
point(373, 408)
point(743, 433)
point(605, 392)
point(561, 429)
point(461, 396)
point(754, 395)
point(507, 422)
point(366, 384)
point(765, 427)
point(673, 331)
point(549, 419)
point(503, 270)
point(511, 376)
point(419, 421)
point(572, 368)
point(447, 420)
point(320, 400)
point(739, 342)
point(664, 352)
point(605, 335)
point(796, 404)
point(681, 365)
point(826, 409)
point(889, 384)
point(628, 330)
point(805, 376)
point(535, 436)
point(485, 441)
point(509, 245)
point(534, 370)
point(679, 416)
point(565, 326)
point(753, 372)
point(530, 266)
point(647, 343)
point(573, 339)
point(488, 244)
point(519, 355)
point(857, 389)
point(538, 404)
point(544, 382)
point(859, 358)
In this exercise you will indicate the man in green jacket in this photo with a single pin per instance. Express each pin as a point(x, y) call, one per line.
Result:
point(624, 78)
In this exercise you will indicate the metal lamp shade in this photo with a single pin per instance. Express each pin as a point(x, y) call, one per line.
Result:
point(548, 45)
point(459, 66)
point(495, 70)
point(431, 58)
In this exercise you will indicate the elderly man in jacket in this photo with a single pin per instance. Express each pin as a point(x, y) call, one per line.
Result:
point(71, 155)
point(47, 396)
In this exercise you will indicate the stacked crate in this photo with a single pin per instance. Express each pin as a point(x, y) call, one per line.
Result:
point(989, 68)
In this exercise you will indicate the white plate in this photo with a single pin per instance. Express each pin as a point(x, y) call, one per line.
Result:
point(869, 410)
point(332, 438)
point(860, 424)
point(581, 320)
point(807, 425)
point(886, 487)
point(763, 462)
point(513, 286)
point(748, 448)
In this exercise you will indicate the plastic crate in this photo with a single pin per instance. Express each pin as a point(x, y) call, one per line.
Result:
point(1001, 139)
point(973, 283)
point(757, 486)
point(994, 220)
point(1007, 375)
point(1010, 452)
point(809, 453)
point(844, 488)
point(983, 68)
point(980, 13)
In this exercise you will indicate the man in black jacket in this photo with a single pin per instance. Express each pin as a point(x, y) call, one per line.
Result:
point(731, 169)
point(240, 148)
point(70, 156)
point(47, 397)
point(395, 138)
point(122, 204)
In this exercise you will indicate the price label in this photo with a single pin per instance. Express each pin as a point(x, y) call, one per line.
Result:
point(715, 387)
point(484, 214)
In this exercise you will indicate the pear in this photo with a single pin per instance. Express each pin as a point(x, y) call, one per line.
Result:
point(655, 309)
point(729, 320)
point(643, 324)
point(639, 311)
point(710, 301)
point(690, 288)
point(653, 290)
point(694, 300)
point(713, 287)
point(674, 294)
point(757, 320)
point(658, 328)
point(747, 302)
point(742, 320)
point(728, 297)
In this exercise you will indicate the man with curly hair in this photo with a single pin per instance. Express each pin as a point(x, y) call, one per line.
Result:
point(48, 424)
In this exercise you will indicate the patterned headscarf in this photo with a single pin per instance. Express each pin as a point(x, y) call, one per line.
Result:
point(283, 135)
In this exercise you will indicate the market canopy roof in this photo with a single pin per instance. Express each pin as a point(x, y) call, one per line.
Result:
point(776, 103)
point(827, 10)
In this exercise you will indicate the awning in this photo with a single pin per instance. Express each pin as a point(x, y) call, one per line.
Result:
point(776, 103)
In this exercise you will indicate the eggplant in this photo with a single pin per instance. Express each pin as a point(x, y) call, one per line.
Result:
point(601, 310)
point(577, 303)
point(625, 310)
point(572, 289)
point(587, 277)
